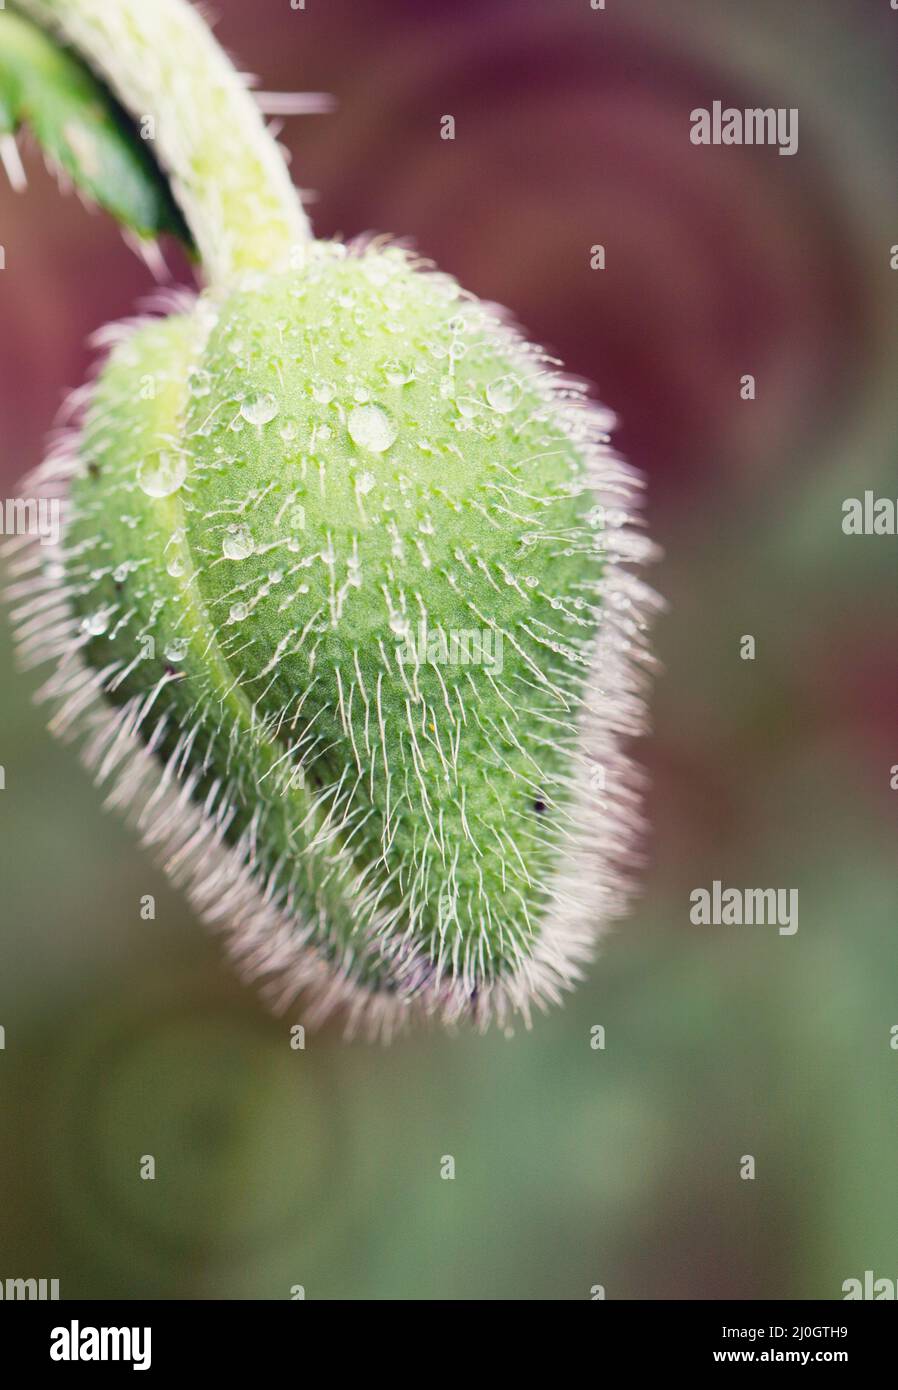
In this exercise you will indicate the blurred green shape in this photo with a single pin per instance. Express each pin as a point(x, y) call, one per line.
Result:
point(82, 130)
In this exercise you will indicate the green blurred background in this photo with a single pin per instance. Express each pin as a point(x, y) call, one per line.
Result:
point(574, 1167)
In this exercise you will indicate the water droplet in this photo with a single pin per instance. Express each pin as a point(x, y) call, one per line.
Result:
point(323, 393)
point(370, 427)
point(238, 612)
point(238, 543)
point(175, 567)
point(288, 431)
point(365, 482)
point(97, 623)
point(258, 409)
point(176, 650)
point(200, 382)
point(159, 475)
point(398, 373)
point(504, 394)
point(120, 574)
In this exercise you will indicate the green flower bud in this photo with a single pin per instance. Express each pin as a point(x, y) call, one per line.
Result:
point(339, 607)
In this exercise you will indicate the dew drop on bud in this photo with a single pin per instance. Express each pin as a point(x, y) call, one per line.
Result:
point(200, 382)
point(97, 623)
point(398, 373)
point(238, 543)
point(371, 428)
point(259, 409)
point(504, 394)
point(159, 475)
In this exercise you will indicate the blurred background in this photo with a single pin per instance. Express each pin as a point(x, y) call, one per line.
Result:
point(575, 1166)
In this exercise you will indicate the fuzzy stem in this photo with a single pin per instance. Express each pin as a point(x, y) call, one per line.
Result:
point(226, 172)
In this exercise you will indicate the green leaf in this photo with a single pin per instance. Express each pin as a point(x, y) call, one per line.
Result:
point(82, 130)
